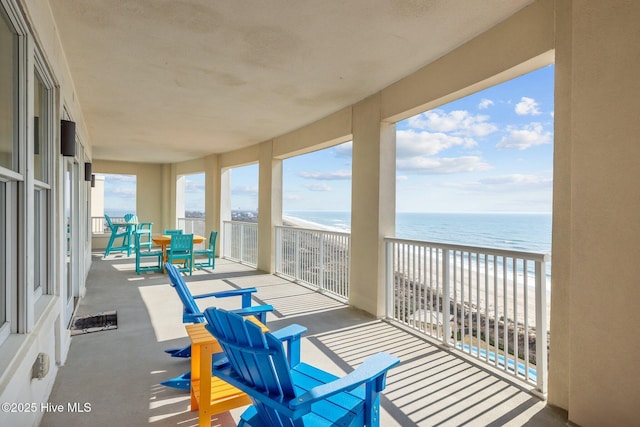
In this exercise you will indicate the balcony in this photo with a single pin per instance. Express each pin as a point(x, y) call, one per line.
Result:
point(118, 372)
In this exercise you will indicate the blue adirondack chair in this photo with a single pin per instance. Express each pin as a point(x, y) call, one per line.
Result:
point(286, 392)
point(116, 234)
point(193, 314)
point(209, 252)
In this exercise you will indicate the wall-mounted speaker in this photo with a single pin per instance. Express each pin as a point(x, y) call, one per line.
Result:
point(67, 138)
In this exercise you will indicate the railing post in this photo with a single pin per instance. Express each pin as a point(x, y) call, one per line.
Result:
point(348, 269)
point(278, 248)
point(241, 254)
point(446, 285)
point(389, 268)
point(321, 269)
point(541, 327)
point(225, 240)
point(297, 257)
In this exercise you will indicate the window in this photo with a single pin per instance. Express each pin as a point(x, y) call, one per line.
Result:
point(40, 244)
point(42, 141)
point(3, 254)
point(11, 92)
point(8, 84)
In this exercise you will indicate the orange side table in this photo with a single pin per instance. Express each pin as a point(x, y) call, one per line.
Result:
point(210, 395)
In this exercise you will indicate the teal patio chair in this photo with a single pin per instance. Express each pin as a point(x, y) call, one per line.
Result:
point(287, 392)
point(145, 229)
point(181, 251)
point(116, 234)
point(149, 254)
point(193, 314)
point(209, 252)
point(171, 232)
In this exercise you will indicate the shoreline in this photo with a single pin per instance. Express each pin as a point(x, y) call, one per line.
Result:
point(293, 221)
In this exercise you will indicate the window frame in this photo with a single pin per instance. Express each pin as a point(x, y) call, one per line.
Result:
point(14, 226)
point(42, 210)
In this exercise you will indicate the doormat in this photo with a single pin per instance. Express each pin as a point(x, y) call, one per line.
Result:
point(104, 321)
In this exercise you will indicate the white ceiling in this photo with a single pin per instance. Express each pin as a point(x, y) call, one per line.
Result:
point(165, 81)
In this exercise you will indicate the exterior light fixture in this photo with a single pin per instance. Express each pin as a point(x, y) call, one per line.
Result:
point(87, 171)
point(67, 138)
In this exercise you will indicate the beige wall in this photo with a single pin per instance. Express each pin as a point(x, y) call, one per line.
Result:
point(602, 195)
point(151, 192)
point(97, 197)
point(331, 130)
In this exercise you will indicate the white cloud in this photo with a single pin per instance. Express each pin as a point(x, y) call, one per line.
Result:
point(529, 136)
point(327, 176)
point(402, 178)
point(445, 165)
point(111, 178)
point(343, 150)
point(318, 187)
point(527, 106)
point(245, 189)
point(485, 103)
point(193, 186)
point(292, 197)
point(516, 180)
point(459, 122)
point(516, 183)
point(410, 143)
point(124, 192)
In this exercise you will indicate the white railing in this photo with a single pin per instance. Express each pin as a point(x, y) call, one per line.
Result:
point(194, 226)
point(314, 257)
point(489, 303)
point(99, 224)
point(240, 242)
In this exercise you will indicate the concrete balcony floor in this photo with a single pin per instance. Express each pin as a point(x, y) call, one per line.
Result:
point(118, 371)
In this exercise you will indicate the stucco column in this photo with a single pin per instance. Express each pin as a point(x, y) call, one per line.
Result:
point(211, 196)
point(596, 299)
point(179, 206)
point(559, 355)
point(269, 205)
point(169, 192)
point(373, 204)
point(223, 191)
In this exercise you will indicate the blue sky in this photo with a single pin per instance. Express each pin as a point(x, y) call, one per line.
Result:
point(488, 152)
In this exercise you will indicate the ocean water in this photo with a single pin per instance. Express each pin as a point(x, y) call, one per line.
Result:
point(515, 232)
point(518, 232)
